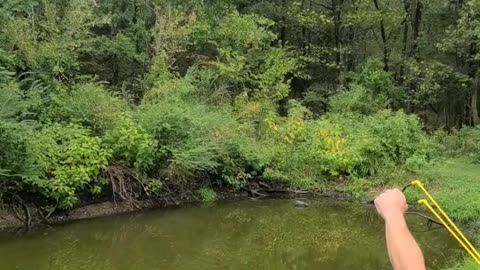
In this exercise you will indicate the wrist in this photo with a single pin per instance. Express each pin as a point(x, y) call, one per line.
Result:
point(394, 216)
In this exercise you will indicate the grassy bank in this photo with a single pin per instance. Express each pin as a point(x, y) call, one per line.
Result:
point(455, 184)
point(467, 265)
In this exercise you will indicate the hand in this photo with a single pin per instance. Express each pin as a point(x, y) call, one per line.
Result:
point(391, 203)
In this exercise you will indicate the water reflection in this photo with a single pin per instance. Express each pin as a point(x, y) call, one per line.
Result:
point(234, 235)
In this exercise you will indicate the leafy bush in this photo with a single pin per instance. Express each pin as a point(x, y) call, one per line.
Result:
point(65, 160)
point(185, 130)
point(196, 140)
point(13, 156)
point(182, 142)
point(129, 142)
point(304, 151)
point(416, 162)
point(464, 143)
point(358, 100)
point(374, 78)
point(12, 103)
point(90, 105)
point(400, 135)
point(242, 58)
point(207, 195)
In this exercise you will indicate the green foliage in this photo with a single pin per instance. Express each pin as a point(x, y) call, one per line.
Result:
point(358, 100)
point(50, 44)
point(454, 183)
point(64, 160)
point(358, 187)
point(90, 105)
point(130, 143)
point(380, 83)
point(417, 162)
point(207, 195)
point(12, 103)
point(14, 140)
point(243, 58)
point(432, 81)
point(306, 151)
point(461, 36)
point(184, 94)
point(466, 265)
point(192, 139)
point(182, 140)
point(400, 135)
point(461, 144)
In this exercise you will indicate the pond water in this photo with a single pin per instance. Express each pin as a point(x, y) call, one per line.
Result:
point(268, 234)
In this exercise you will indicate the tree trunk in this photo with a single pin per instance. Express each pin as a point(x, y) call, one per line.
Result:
point(474, 101)
point(416, 9)
point(304, 34)
point(386, 50)
point(473, 67)
point(406, 5)
point(283, 28)
point(337, 18)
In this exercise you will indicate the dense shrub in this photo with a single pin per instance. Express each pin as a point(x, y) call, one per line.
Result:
point(130, 143)
point(188, 134)
point(349, 143)
point(380, 83)
point(13, 156)
point(90, 105)
point(358, 100)
point(207, 195)
point(12, 103)
point(65, 160)
point(400, 135)
point(464, 143)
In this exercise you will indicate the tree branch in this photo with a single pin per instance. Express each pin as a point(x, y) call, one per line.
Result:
point(322, 5)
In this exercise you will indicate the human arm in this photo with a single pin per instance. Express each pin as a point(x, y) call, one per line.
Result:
point(403, 250)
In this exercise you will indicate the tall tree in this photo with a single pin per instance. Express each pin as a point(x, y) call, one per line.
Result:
point(463, 38)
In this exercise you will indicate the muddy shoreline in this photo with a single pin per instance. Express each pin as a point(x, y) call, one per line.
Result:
point(10, 221)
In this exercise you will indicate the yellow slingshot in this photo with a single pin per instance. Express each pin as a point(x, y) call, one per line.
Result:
point(447, 222)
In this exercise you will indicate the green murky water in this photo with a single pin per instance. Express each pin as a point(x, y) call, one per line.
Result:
point(270, 234)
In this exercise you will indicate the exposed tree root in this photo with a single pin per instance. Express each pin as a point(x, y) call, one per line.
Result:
point(126, 184)
point(26, 218)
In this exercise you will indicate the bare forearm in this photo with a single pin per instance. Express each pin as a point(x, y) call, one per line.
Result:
point(404, 252)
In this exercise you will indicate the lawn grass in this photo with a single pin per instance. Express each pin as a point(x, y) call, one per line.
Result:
point(467, 265)
point(455, 184)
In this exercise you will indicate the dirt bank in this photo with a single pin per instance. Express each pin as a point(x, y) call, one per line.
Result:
point(10, 219)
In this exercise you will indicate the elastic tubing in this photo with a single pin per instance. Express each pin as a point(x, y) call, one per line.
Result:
point(471, 249)
point(470, 252)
